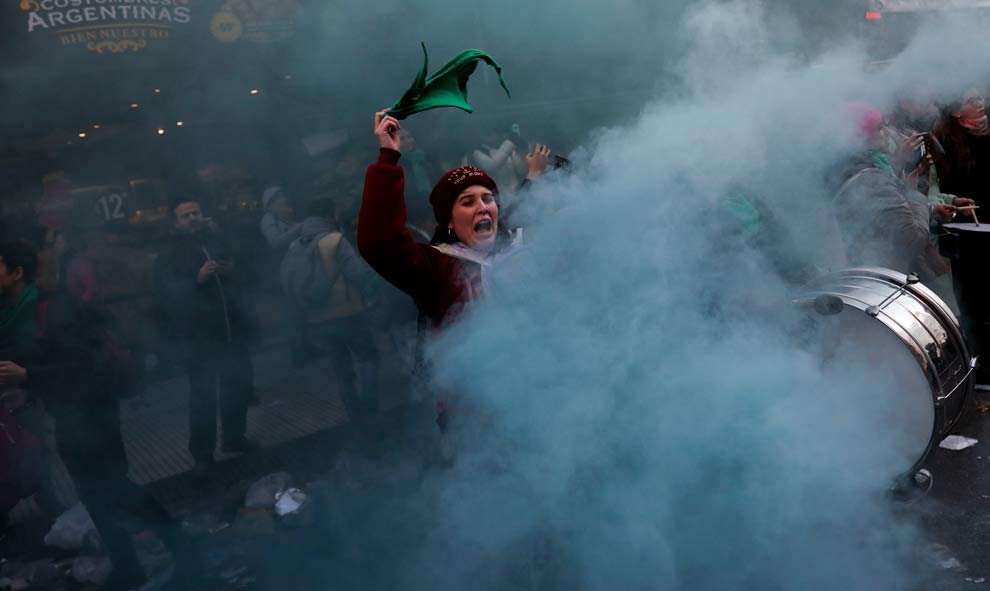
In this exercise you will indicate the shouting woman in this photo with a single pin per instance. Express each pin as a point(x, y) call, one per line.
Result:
point(450, 272)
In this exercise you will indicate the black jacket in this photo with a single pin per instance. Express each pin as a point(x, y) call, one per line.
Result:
point(194, 315)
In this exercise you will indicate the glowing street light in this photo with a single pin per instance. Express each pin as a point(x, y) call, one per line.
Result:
point(135, 105)
point(179, 123)
point(82, 134)
point(161, 131)
point(254, 91)
point(96, 126)
point(158, 90)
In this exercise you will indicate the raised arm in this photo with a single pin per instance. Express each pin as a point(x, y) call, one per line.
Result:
point(496, 158)
point(382, 237)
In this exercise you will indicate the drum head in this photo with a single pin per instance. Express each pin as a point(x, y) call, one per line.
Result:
point(968, 227)
point(891, 410)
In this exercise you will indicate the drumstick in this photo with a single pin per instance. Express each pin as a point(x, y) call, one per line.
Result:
point(967, 207)
point(976, 219)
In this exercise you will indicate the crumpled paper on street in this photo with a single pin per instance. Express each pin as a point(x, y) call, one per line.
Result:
point(957, 442)
point(71, 529)
point(289, 501)
point(91, 569)
point(262, 493)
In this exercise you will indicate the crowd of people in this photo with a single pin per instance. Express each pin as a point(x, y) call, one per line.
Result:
point(330, 259)
point(68, 357)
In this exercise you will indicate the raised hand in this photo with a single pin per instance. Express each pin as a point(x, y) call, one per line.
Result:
point(387, 130)
point(537, 161)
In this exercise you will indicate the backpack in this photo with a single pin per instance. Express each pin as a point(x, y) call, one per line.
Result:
point(357, 273)
point(304, 279)
point(21, 461)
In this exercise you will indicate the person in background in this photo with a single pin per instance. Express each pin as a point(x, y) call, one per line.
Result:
point(883, 221)
point(333, 289)
point(278, 224)
point(965, 170)
point(916, 154)
point(964, 134)
point(500, 156)
point(20, 318)
point(81, 373)
point(18, 294)
point(279, 228)
point(198, 292)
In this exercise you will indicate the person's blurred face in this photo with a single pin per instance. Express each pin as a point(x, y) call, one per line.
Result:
point(55, 240)
point(921, 113)
point(474, 217)
point(189, 217)
point(282, 208)
point(878, 140)
point(9, 277)
point(972, 106)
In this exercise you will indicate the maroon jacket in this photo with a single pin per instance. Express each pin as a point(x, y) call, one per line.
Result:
point(438, 283)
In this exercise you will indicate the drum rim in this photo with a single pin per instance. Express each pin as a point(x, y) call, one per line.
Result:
point(928, 297)
point(945, 316)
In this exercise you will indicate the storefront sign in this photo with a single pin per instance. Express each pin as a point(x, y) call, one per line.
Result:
point(106, 26)
point(256, 21)
point(925, 5)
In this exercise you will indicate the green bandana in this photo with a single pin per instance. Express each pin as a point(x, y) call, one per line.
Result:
point(446, 88)
point(881, 160)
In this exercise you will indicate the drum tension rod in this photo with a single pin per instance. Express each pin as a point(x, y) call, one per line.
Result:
point(910, 279)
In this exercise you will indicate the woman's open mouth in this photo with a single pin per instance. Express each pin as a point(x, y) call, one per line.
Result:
point(483, 226)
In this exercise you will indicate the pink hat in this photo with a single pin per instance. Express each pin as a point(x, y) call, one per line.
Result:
point(867, 118)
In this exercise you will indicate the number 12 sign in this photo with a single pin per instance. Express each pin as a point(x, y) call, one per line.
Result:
point(111, 205)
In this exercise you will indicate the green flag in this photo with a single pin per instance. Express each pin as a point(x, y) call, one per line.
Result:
point(446, 88)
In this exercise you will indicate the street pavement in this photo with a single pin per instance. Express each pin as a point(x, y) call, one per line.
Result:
point(956, 513)
point(301, 422)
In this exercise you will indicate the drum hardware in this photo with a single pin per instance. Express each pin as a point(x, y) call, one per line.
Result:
point(828, 305)
point(911, 279)
point(969, 372)
point(908, 490)
point(825, 304)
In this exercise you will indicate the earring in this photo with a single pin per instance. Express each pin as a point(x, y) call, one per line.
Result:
point(450, 231)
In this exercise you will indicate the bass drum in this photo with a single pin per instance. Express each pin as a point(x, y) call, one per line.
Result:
point(891, 323)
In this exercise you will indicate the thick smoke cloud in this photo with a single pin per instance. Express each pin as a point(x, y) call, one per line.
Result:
point(643, 405)
point(646, 407)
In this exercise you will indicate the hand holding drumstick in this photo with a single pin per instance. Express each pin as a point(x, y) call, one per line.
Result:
point(966, 206)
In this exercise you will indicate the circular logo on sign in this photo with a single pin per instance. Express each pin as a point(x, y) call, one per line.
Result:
point(258, 21)
point(226, 27)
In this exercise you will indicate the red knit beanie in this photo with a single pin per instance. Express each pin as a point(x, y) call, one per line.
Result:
point(450, 186)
